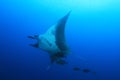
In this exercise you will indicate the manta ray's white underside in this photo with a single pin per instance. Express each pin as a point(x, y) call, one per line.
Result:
point(53, 40)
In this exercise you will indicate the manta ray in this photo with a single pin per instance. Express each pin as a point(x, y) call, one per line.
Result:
point(53, 41)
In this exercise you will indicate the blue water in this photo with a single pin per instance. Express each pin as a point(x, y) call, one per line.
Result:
point(92, 33)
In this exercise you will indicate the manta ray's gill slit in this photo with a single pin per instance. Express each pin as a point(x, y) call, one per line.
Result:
point(50, 44)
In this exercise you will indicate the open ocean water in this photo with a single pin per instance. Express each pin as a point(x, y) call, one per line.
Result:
point(92, 33)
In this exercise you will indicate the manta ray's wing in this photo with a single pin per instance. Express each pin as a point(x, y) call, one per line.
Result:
point(60, 33)
point(57, 33)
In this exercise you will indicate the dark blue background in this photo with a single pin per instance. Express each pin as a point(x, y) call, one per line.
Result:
point(92, 32)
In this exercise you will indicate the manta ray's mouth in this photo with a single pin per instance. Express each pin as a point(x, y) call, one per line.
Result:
point(36, 45)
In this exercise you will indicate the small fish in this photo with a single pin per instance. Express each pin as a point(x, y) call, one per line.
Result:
point(61, 62)
point(86, 70)
point(76, 68)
